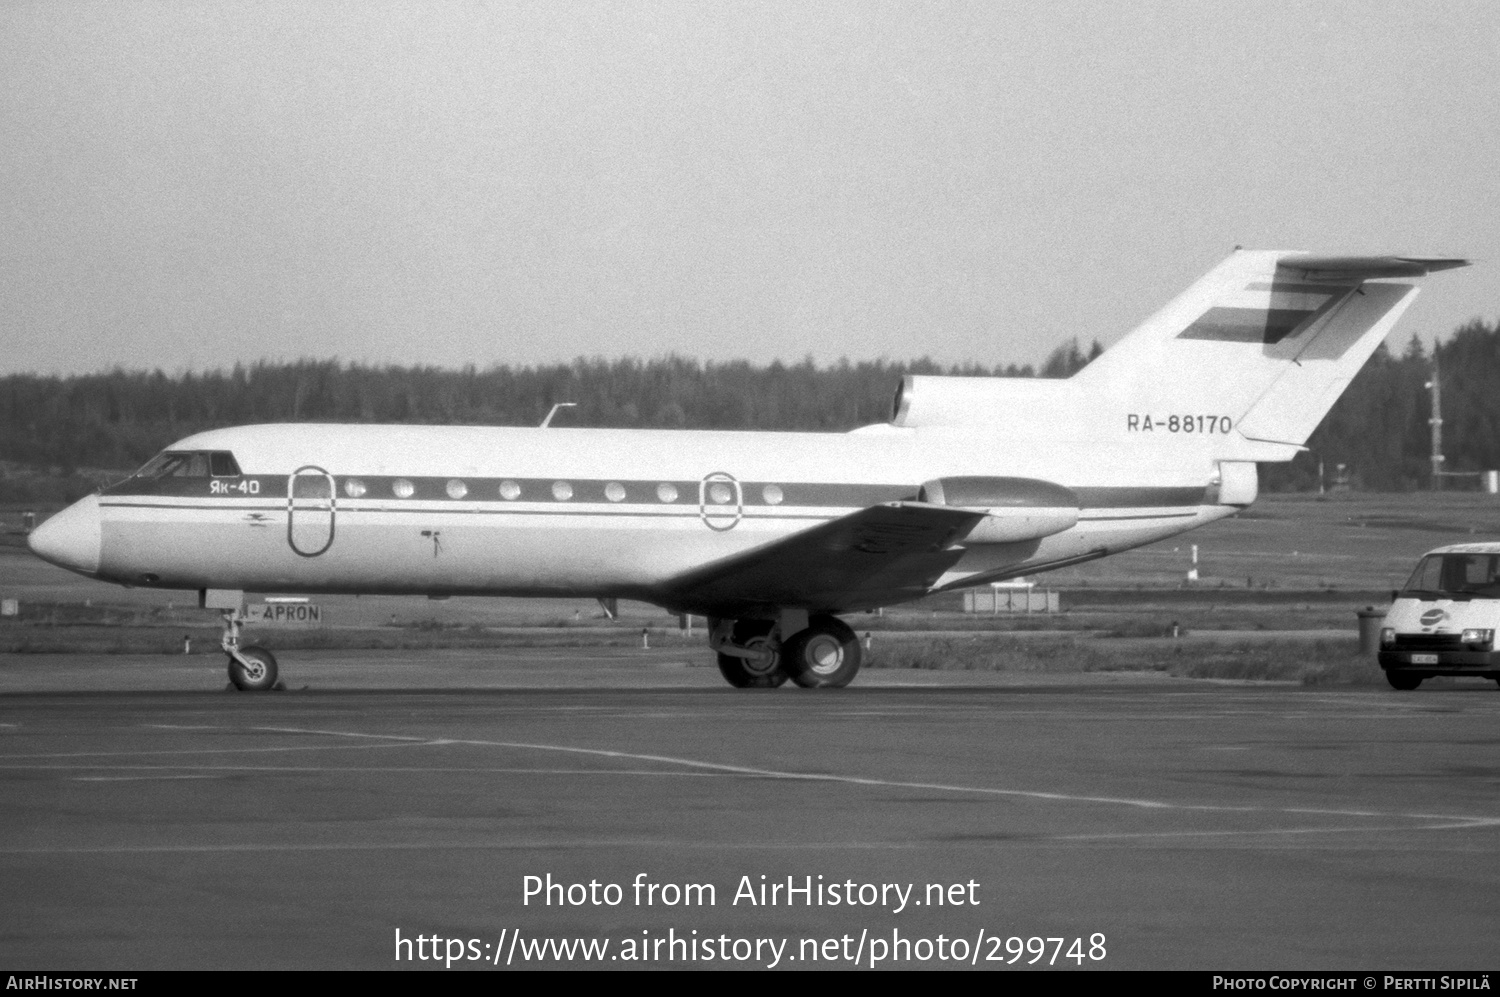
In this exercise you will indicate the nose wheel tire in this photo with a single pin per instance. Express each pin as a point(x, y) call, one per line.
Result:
point(824, 656)
point(257, 673)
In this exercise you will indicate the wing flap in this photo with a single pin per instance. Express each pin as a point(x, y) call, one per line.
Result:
point(884, 554)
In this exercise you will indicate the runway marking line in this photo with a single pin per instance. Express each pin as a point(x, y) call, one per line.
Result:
point(1450, 821)
point(705, 768)
point(138, 778)
point(493, 770)
point(547, 844)
point(205, 751)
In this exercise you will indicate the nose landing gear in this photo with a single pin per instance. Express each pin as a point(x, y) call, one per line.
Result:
point(251, 668)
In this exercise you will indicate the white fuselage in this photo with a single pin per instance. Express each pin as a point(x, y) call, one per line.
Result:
point(552, 512)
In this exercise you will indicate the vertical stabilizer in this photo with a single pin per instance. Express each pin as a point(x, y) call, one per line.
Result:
point(1265, 343)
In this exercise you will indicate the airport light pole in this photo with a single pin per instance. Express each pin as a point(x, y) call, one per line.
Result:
point(1436, 422)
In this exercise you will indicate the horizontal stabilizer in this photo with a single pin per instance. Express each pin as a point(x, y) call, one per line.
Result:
point(1357, 268)
point(874, 557)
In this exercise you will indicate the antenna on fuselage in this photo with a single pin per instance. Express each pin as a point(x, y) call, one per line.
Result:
point(548, 421)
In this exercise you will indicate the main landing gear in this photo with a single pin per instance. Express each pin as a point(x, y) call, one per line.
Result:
point(251, 668)
point(753, 654)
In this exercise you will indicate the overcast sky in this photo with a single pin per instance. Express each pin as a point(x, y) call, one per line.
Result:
point(187, 185)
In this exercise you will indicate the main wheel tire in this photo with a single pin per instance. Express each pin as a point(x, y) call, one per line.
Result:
point(1403, 681)
point(259, 675)
point(824, 656)
point(744, 673)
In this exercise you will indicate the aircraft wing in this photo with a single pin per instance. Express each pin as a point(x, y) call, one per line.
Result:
point(884, 554)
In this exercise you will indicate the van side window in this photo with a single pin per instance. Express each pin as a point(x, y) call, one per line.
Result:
point(1482, 574)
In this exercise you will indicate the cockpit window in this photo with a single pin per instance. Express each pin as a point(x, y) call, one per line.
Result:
point(1456, 574)
point(223, 465)
point(190, 464)
point(163, 465)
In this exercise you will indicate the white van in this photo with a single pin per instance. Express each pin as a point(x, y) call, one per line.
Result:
point(1443, 622)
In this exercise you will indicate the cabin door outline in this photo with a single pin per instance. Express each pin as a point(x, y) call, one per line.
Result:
point(311, 510)
point(721, 501)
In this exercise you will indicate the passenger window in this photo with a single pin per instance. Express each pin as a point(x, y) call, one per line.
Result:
point(315, 486)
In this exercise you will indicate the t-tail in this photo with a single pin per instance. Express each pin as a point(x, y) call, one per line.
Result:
point(1251, 357)
point(1267, 342)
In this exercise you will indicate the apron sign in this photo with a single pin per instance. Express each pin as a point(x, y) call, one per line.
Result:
point(284, 614)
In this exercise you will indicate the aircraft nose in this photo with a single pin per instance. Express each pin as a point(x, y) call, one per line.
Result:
point(70, 539)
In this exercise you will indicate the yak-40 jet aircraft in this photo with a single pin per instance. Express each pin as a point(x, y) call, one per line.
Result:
point(769, 535)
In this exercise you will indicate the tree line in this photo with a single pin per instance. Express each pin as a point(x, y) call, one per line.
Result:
point(1379, 429)
point(75, 428)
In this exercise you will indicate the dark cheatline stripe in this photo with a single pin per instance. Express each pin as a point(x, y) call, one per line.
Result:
point(640, 495)
point(584, 490)
point(678, 511)
point(266, 486)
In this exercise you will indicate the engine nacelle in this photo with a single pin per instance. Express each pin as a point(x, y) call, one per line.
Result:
point(1015, 509)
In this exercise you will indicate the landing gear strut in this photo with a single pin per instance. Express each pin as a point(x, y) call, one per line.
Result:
point(251, 668)
point(749, 657)
point(824, 655)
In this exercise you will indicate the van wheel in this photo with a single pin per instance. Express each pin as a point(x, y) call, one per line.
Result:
point(1405, 683)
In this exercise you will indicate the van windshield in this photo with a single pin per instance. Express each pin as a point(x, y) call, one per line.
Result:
point(1461, 576)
